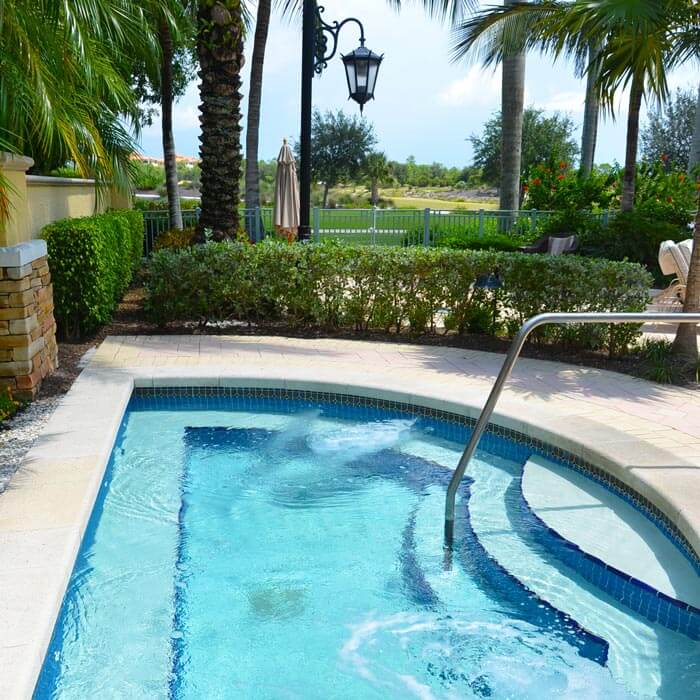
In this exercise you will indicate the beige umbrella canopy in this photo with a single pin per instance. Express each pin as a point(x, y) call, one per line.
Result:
point(285, 216)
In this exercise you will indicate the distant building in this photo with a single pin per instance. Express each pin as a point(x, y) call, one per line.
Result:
point(147, 160)
point(187, 161)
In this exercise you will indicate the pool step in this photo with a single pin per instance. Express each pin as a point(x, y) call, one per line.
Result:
point(611, 544)
point(498, 519)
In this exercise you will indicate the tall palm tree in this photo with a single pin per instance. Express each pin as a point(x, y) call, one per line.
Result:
point(65, 91)
point(694, 158)
point(220, 32)
point(172, 23)
point(640, 41)
point(512, 109)
point(591, 111)
point(252, 171)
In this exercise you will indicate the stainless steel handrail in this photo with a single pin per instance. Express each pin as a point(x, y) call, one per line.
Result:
point(506, 369)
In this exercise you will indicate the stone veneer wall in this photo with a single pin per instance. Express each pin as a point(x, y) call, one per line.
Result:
point(28, 350)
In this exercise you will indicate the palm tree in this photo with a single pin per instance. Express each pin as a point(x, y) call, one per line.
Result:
point(591, 112)
point(65, 91)
point(252, 171)
point(694, 158)
point(640, 41)
point(512, 107)
point(220, 31)
point(377, 171)
point(172, 23)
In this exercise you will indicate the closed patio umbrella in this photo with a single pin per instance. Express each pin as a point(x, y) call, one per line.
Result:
point(286, 212)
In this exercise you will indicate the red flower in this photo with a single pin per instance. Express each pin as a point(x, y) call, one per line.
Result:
point(526, 187)
point(563, 165)
point(561, 176)
point(537, 181)
point(664, 157)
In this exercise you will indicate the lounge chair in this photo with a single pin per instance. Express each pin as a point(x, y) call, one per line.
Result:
point(674, 259)
point(552, 245)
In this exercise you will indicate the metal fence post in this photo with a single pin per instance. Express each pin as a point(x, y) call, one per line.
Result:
point(533, 220)
point(317, 224)
point(481, 223)
point(426, 227)
point(606, 217)
point(374, 225)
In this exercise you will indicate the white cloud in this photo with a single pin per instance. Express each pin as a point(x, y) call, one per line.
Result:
point(479, 86)
point(565, 102)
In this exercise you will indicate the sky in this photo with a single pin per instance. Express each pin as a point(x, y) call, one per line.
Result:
point(425, 106)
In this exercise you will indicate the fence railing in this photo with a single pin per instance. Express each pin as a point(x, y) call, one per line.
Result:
point(379, 226)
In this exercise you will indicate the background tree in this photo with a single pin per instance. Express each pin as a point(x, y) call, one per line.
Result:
point(669, 130)
point(377, 171)
point(339, 148)
point(641, 40)
point(546, 140)
point(220, 32)
point(163, 80)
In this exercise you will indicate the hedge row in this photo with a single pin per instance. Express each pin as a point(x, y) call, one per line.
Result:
point(92, 262)
point(393, 289)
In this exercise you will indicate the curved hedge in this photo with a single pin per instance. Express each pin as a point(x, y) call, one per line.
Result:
point(92, 261)
point(391, 288)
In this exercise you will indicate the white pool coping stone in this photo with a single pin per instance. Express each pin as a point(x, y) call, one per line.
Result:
point(605, 526)
point(645, 435)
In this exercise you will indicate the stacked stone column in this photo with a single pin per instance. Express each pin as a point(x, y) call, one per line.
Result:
point(28, 350)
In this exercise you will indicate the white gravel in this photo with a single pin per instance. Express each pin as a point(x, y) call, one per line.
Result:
point(17, 435)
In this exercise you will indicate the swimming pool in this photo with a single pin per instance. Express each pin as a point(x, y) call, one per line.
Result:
point(255, 546)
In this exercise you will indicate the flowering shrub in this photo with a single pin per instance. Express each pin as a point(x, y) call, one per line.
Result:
point(664, 195)
point(562, 188)
point(391, 288)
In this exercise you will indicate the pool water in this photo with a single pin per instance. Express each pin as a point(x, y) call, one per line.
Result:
point(264, 548)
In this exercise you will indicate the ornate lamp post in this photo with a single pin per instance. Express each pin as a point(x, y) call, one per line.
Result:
point(361, 69)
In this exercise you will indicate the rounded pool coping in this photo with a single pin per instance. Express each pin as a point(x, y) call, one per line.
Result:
point(44, 511)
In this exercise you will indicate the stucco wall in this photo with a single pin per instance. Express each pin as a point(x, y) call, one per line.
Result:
point(53, 198)
point(36, 200)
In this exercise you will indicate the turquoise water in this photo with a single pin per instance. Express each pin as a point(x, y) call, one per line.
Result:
point(259, 548)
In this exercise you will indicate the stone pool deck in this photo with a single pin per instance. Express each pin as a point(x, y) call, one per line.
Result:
point(646, 435)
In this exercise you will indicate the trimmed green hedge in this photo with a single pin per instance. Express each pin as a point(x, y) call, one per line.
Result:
point(92, 262)
point(393, 289)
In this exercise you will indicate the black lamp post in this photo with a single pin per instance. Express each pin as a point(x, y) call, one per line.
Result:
point(361, 69)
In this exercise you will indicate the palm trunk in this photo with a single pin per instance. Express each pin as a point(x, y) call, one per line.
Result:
point(166, 107)
point(220, 54)
point(589, 133)
point(512, 104)
point(375, 192)
point(252, 171)
point(686, 343)
point(636, 93)
point(694, 159)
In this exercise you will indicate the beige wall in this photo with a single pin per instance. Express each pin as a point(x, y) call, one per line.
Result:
point(37, 200)
point(52, 198)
